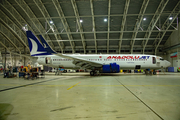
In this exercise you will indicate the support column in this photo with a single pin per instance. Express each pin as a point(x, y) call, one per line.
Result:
point(11, 60)
point(5, 59)
point(15, 59)
point(19, 59)
point(24, 54)
point(178, 57)
point(1, 59)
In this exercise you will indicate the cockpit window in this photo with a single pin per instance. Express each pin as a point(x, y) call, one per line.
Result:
point(161, 59)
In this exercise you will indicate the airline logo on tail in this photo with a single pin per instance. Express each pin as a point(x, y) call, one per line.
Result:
point(46, 45)
point(36, 48)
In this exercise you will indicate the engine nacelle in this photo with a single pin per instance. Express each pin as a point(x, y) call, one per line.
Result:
point(112, 68)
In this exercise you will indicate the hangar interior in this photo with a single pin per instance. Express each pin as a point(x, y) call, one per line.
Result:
point(91, 27)
point(82, 26)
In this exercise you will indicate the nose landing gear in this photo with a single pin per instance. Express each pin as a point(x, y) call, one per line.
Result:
point(149, 72)
point(154, 72)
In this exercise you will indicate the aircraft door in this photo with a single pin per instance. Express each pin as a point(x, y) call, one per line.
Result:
point(154, 60)
point(48, 60)
point(158, 61)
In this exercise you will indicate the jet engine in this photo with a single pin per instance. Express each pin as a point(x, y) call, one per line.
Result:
point(112, 68)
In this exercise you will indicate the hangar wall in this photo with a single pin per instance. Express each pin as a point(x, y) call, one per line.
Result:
point(15, 61)
point(173, 43)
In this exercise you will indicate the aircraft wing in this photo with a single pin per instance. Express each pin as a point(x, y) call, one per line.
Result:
point(81, 62)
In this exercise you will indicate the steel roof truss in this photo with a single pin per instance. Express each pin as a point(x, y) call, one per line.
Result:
point(4, 46)
point(64, 22)
point(167, 24)
point(45, 14)
point(14, 28)
point(19, 19)
point(153, 22)
point(138, 23)
point(123, 23)
point(91, 32)
point(7, 36)
point(35, 22)
point(109, 12)
point(94, 26)
point(79, 24)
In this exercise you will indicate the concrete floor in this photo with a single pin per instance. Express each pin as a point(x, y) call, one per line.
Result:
point(80, 96)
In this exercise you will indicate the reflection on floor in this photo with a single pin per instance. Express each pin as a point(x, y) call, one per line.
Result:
point(80, 96)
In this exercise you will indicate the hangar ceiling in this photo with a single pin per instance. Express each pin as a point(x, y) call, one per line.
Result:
point(89, 26)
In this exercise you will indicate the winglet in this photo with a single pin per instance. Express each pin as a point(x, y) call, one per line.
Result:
point(36, 48)
point(46, 45)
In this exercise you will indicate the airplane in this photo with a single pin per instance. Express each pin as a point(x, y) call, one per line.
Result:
point(97, 63)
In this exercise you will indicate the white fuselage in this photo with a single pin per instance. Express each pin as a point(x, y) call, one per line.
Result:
point(125, 61)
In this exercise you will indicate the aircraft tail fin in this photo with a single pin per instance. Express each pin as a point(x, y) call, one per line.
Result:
point(36, 48)
point(46, 45)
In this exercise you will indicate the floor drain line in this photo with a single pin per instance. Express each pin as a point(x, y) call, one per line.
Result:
point(141, 100)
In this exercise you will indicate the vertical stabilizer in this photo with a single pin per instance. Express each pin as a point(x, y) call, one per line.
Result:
point(46, 45)
point(36, 48)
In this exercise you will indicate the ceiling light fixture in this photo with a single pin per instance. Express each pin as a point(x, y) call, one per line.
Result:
point(25, 28)
point(51, 22)
point(81, 21)
point(170, 18)
point(105, 20)
point(144, 19)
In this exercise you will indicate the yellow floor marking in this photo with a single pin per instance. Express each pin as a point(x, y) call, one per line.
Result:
point(73, 86)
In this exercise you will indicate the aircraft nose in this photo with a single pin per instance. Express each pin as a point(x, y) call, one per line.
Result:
point(168, 63)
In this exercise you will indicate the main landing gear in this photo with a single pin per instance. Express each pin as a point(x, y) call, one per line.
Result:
point(92, 73)
point(96, 72)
